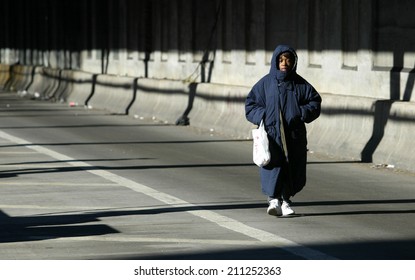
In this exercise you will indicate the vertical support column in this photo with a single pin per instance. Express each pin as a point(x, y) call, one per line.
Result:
point(332, 59)
point(185, 29)
point(315, 33)
point(227, 31)
point(255, 22)
point(164, 9)
point(350, 29)
point(364, 53)
point(280, 24)
point(173, 35)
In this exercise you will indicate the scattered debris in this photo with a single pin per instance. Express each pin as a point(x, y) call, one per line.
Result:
point(383, 165)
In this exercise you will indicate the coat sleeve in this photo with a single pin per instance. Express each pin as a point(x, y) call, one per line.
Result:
point(311, 109)
point(255, 104)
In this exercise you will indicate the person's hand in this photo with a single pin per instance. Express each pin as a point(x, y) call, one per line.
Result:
point(295, 122)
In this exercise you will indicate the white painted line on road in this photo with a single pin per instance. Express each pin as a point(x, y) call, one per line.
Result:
point(173, 201)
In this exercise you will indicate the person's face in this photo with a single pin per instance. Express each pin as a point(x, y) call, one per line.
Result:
point(285, 63)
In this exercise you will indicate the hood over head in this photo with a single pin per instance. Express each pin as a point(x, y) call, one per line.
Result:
point(274, 71)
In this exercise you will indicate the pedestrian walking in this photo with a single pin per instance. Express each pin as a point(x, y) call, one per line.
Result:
point(285, 102)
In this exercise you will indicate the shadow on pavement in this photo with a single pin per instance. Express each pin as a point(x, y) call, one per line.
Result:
point(18, 229)
point(365, 250)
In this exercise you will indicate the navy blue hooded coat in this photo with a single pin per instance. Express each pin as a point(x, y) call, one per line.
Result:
point(299, 103)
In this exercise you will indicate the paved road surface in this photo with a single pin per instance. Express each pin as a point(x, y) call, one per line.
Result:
point(84, 184)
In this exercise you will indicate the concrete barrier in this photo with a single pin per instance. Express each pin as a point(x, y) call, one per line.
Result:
point(344, 126)
point(75, 87)
point(165, 100)
point(37, 85)
point(21, 77)
point(114, 94)
point(45, 82)
point(350, 127)
point(4, 75)
point(51, 76)
point(365, 129)
point(396, 134)
point(221, 108)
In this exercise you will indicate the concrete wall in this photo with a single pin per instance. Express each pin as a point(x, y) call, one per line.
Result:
point(350, 127)
point(346, 47)
point(179, 59)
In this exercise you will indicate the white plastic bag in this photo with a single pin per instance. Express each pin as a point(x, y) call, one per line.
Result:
point(261, 154)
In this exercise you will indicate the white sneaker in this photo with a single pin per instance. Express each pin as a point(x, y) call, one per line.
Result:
point(274, 208)
point(286, 209)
